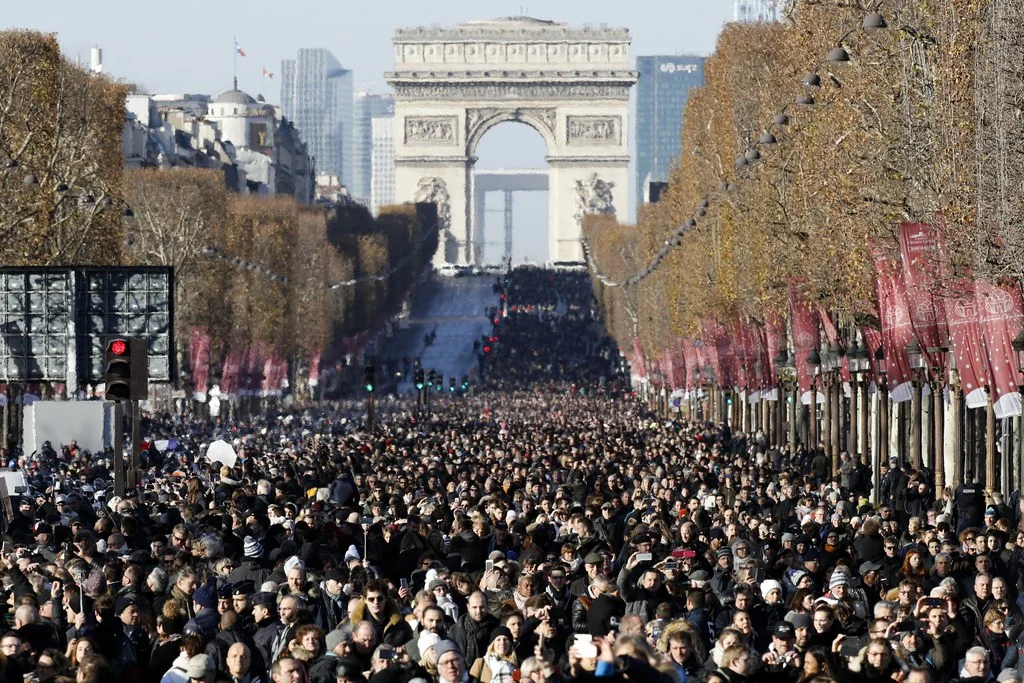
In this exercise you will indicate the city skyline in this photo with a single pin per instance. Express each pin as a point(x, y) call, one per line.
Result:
point(132, 53)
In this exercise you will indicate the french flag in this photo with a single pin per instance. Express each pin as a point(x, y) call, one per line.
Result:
point(239, 50)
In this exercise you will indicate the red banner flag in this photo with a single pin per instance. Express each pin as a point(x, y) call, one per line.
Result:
point(805, 338)
point(832, 336)
point(872, 342)
point(199, 359)
point(921, 248)
point(727, 360)
point(710, 351)
point(638, 362)
point(897, 331)
point(231, 374)
point(692, 365)
point(314, 368)
point(965, 334)
point(1000, 315)
point(775, 340)
point(677, 369)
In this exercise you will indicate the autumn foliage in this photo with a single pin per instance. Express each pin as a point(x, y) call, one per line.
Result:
point(250, 271)
point(920, 125)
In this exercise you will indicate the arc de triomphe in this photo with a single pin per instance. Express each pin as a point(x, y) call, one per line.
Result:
point(570, 84)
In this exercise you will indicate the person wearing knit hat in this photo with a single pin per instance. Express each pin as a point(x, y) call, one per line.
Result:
point(838, 579)
point(771, 591)
point(499, 661)
point(451, 666)
point(798, 576)
point(252, 547)
point(207, 619)
point(426, 640)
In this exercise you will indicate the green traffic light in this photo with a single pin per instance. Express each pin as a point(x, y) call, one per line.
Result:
point(369, 388)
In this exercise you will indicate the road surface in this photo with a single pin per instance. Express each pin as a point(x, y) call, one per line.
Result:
point(455, 308)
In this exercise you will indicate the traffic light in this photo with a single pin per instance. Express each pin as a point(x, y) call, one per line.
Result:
point(451, 384)
point(126, 370)
point(465, 382)
point(418, 379)
point(370, 378)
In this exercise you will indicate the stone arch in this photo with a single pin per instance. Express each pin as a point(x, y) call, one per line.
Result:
point(570, 84)
point(480, 120)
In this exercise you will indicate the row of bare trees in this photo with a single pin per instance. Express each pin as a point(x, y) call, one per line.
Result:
point(249, 270)
point(923, 124)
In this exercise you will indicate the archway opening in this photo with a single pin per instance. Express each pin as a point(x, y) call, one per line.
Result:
point(515, 220)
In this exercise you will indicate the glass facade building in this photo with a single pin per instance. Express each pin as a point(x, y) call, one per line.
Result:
point(316, 95)
point(662, 91)
point(368, 106)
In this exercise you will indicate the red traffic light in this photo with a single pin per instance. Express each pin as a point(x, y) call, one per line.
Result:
point(119, 347)
point(487, 349)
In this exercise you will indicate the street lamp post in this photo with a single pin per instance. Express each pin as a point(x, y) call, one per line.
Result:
point(883, 408)
point(938, 459)
point(1018, 422)
point(917, 363)
point(857, 361)
point(786, 420)
point(761, 416)
point(827, 366)
point(836, 351)
point(814, 362)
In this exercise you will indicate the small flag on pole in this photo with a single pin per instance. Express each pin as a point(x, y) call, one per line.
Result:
point(267, 74)
point(239, 50)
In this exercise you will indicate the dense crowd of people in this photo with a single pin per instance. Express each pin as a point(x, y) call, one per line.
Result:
point(540, 529)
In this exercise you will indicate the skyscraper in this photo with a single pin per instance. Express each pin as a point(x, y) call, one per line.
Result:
point(316, 94)
point(662, 91)
point(753, 11)
point(368, 106)
point(382, 180)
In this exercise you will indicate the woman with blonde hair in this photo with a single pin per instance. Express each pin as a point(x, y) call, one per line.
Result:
point(499, 661)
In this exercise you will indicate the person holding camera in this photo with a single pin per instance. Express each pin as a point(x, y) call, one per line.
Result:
point(642, 586)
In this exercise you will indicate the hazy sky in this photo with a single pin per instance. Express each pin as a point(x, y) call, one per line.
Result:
point(186, 45)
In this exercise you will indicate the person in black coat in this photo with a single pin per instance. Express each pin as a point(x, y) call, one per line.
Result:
point(606, 610)
point(869, 544)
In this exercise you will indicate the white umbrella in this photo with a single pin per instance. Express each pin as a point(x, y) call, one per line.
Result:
point(222, 452)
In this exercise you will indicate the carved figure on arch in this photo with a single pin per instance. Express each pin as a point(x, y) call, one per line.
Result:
point(434, 189)
point(593, 195)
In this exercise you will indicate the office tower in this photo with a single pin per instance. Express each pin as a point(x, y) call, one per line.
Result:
point(662, 91)
point(383, 175)
point(316, 95)
point(368, 106)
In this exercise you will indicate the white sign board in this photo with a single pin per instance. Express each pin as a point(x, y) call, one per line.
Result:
point(90, 423)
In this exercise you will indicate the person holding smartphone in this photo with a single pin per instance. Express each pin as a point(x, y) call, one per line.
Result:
point(642, 586)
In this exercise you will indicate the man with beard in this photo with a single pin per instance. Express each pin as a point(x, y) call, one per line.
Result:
point(472, 631)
